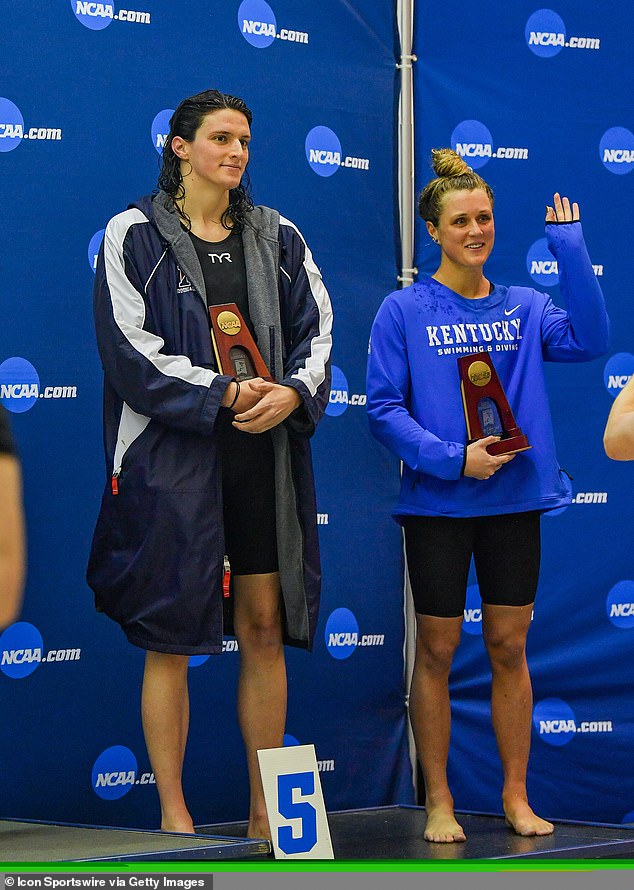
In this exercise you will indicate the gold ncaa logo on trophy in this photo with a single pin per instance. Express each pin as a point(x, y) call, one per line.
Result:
point(229, 323)
point(235, 349)
point(479, 373)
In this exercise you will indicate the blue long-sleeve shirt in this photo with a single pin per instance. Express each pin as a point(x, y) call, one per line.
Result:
point(413, 387)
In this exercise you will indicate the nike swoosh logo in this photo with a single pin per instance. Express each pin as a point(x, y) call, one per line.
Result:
point(511, 311)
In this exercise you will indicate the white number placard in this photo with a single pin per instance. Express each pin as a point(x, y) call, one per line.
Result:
point(295, 803)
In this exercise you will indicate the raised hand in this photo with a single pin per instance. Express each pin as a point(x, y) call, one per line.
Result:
point(562, 211)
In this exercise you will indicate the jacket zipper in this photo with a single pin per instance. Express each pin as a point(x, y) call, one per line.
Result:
point(272, 352)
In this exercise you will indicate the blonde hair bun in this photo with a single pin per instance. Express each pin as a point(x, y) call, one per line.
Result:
point(452, 174)
point(446, 162)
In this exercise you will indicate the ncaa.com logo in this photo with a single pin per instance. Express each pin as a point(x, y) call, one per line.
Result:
point(258, 25)
point(22, 651)
point(94, 245)
point(472, 140)
point(590, 497)
point(619, 604)
point(115, 772)
point(323, 766)
point(342, 635)
point(542, 265)
point(618, 370)
point(616, 150)
point(581, 497)
point(555, 722)
point(20, 386)
point(160, 128)
point(545, 34)
point(13, 130)
point(340, 398)
point(325, 155)
point(97, 16)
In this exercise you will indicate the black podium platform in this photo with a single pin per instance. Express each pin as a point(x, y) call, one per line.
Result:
point(397, 833)
point(23, 841)
point(366, 834)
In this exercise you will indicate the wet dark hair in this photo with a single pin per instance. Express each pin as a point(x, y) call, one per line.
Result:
point(184, 123)
point(452, 174)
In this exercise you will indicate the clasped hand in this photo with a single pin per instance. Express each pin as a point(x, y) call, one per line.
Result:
point(263, 405)
point(482, 465)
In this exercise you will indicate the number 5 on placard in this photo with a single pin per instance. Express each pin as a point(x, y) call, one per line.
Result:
point(292, 809)
point(295, 803)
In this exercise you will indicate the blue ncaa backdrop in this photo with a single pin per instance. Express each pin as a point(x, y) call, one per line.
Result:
point(539, 100)
point(85, 99)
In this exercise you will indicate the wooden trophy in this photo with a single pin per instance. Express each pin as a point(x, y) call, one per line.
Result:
point(486, 407)
point(235, 349)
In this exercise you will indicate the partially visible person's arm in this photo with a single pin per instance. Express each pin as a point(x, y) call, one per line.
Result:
point(618, 439)
point(12, 549)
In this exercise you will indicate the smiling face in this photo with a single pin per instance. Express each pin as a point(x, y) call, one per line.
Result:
point(465, 229)
point(218, 153)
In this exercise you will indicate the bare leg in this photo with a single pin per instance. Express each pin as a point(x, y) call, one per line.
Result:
point(430, 716)
point(262, 680)
point(165, 713)
point(505, 629)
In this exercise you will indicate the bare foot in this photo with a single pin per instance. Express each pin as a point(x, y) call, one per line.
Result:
point(441, 826)
point(521, 818)
point(182, 826)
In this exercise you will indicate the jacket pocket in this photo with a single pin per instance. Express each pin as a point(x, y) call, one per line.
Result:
point(127, 460)
point(266, 342)
point(566, 482)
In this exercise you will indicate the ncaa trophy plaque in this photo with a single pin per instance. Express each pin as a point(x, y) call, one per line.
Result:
point(235, 349)
point(486, 407)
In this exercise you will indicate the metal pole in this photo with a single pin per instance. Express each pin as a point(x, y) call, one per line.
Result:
point(405, 12)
